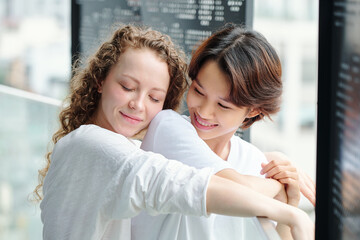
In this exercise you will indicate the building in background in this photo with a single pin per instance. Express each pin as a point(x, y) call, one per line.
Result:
point(34, 62)
point(35, 45)
point(292, 28)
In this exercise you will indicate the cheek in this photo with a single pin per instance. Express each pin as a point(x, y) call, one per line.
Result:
point(227, 119)
point(234, 121)
point(115, 96)
point(190, 99)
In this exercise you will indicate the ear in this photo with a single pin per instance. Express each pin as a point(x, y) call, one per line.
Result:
point(253, 113)
point(99, 86)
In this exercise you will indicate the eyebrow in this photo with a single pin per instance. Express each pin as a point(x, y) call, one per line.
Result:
point(223, 99)
point(138, 82)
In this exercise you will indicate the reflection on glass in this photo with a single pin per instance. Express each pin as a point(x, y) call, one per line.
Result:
point(35, 57)
point(26, 127)
point(292, 28)
point(35, 45)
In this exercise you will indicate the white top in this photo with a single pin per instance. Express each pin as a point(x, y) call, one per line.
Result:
point(98, 179)
point(172, 135)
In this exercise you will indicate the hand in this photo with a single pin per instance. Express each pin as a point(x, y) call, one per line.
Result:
point(282, 195)
point(280, 168)
point(307, 186)
point(302, 227)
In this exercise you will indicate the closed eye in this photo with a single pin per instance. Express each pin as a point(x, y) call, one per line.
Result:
point(197, 91)
point(126, 89)
point(154, 99)
point(223, 106)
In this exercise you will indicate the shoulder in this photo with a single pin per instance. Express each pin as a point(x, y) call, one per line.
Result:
point(187, 118)
point(137, 142)
point(244, 144)
point(92, 150)
point(92, 138)
point(93, 133)
point(167, 114)
point(246, 148)
point(167, 120)
point(245, 157)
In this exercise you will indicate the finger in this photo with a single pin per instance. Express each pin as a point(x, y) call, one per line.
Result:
point(310, 186)
point(263, 164)
point(278, 169)
point(287, 174)
point(307, 187)
point(308, 194)
point(269, 172)
point(309, 182)
point(273, 164)
point(290, 182)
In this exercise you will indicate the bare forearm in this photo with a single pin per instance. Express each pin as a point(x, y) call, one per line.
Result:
point(268, 187)
point(284, 232)
point(229, 198)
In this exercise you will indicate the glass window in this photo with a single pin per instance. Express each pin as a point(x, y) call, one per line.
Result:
point(292, 28)
point(35, 46)
point(34, 72)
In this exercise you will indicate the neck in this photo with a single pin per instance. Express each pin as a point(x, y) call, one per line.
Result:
point(99, 120)
point(220, 145)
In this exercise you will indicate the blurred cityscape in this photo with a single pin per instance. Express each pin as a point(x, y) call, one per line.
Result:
point(35, 64)
point(292, 28)
point(35, 45)
point(35, 61)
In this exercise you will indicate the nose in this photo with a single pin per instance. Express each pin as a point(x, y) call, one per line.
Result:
point(137, 102)
point(205, 110)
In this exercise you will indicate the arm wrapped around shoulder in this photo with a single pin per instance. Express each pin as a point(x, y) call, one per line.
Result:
point(158, 186)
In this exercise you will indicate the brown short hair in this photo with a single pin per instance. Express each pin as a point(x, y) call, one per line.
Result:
point(251, 64)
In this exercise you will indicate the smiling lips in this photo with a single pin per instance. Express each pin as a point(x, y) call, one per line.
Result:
point(203, 124)
point(130, 119)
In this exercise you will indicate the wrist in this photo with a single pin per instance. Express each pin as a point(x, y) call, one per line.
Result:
point(282, 196)
point(293, 202)
point(297, 216)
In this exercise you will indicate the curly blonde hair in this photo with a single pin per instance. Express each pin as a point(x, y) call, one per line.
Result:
point(84, 97)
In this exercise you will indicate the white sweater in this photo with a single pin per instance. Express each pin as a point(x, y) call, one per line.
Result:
point(98, 179)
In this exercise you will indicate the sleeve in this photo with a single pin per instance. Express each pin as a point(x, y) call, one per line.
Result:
point(136, 180)
point(172, 136)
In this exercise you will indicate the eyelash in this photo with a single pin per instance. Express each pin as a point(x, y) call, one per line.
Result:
point(222, 106)
point(154, 99)
point(197, 91)
point(129, 90)
point(126, 89)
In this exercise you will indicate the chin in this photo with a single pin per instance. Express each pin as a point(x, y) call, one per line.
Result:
point(202, 135)
point(125, 133)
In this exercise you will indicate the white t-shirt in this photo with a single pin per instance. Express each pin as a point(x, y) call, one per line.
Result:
point(175, 137)
point(99, 179)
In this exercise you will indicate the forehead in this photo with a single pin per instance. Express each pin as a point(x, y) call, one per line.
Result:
point(210, 74)
point(139, 54)
point(144, 66)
